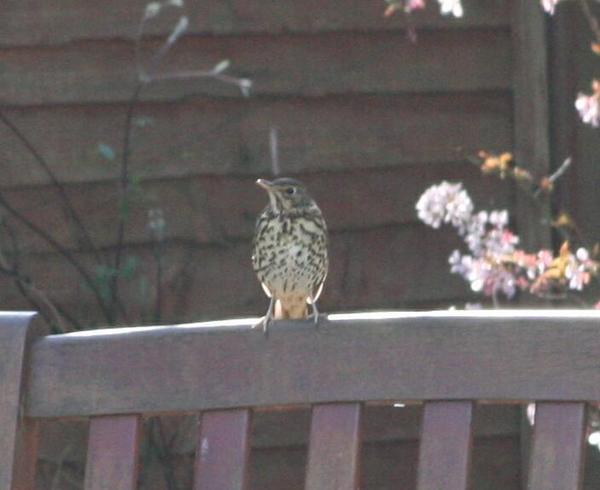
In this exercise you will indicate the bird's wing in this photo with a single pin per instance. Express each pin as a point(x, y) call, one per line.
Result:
point(266, 290)
point(313, 299)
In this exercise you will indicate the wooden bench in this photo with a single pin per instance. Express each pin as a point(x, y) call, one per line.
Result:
point(446, 360)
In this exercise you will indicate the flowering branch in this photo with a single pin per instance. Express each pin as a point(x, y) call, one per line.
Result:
point(493, 263)
point(503, 165)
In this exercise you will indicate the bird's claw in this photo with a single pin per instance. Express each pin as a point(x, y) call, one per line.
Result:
point(314, 315)
point(267, 319)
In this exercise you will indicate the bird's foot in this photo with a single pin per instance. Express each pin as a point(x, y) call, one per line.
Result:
point(266, 320)
point(264, 324)
point(314, 315)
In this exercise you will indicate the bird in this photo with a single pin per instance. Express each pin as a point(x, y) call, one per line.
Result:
point(290, 251)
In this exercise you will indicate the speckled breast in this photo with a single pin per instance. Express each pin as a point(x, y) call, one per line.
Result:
point(290, 253)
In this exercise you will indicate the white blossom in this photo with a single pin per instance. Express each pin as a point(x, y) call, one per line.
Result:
point(445, 203)
point(578, 269)
point(531, 413)
point(594, 438)
point(152, 10)
point(499, 219)
point(453, 7)
point(178, 30)
point(582, 254)
point(549, 5)
point(589, 109)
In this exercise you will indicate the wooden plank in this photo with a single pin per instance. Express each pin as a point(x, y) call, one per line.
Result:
point(531, 127)
point(204, 280)
point(26, 455)
point(525, 438)
point(113, 451)
point(334, 448)
point(572, 71)
point(55, 21)
point(214, 210)
point(570, 47)
point(445, 448)
point(422, 356)
point(315, 135)
point(558, 441)
point(223, 450)
point(17, 439)
point(309, 65)
point(290, 428)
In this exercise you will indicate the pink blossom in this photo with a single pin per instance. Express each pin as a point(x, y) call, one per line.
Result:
point(493, 263)
point(484, 275)
point(411, 5)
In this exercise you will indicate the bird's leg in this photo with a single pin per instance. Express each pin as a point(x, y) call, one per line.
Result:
point(268, 317)
point(314, 312)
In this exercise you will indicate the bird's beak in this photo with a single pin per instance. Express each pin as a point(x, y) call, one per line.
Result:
point(265, 184)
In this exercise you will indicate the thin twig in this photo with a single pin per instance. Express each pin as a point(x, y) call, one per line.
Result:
point(274, 148)
point(158, 257)
point(38, 300)
point(156, 227)
point(591, 18)
point(125, 182)
point(243, 84)
point(165, 455)
point(60, 188)
point(56, 480)
point(561, 170)
point(495, 299)
point(89, 281)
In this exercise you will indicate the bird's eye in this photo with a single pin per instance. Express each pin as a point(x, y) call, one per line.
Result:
point(290, 190)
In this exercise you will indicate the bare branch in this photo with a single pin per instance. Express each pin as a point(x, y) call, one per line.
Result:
point(67, 204)
point(561, 170)
point(274, 147)
point(89, 281)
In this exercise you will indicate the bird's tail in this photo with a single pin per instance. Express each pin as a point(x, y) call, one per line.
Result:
point(290, 309)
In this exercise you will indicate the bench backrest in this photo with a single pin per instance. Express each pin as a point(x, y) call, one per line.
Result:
point(445, 360)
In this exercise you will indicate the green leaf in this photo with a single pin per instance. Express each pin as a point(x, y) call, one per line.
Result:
point(106, 151)
point(143, 121)
point(104, 275)
point(124, 207)
point(129, 267)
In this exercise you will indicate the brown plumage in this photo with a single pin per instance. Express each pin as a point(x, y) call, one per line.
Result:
point(290, 250)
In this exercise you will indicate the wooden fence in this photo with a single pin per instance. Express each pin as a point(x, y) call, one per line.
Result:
point(368, 118)
point(446, 361)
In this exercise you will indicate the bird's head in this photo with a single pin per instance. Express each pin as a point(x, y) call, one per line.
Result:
point(286, 194)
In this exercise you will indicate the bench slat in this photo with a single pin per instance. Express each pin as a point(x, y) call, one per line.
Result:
point(26, 455)
point(445, 448)
point(558, 442)
point(112, 455)
point(18, 446)
point(222, 450)
point(334, 448)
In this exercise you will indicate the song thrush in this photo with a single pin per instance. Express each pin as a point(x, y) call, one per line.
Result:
point(290, 250)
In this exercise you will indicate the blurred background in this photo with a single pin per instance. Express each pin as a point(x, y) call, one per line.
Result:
point(368, 111)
